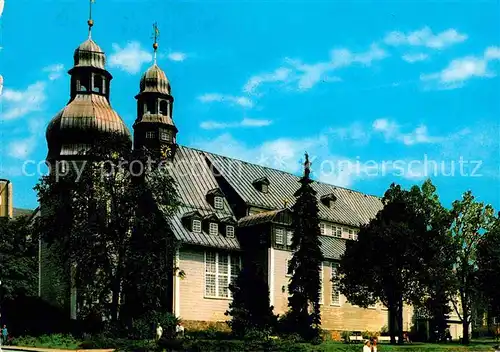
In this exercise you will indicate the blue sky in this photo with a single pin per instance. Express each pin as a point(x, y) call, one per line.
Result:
point(385, 84)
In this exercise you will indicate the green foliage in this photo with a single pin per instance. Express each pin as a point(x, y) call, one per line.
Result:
point(58, 341)
point(252, 315)
point(400, 254)
point(18, 258)
point(346, 336)
point(488, 261)
point(109, 228)
point(471, 219)
point(304, 287)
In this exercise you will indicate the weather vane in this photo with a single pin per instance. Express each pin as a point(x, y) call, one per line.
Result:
point(90, 21)
point(156, 35)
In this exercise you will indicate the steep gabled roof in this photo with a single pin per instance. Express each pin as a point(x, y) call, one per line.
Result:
point(194, 173)
point(351, 208)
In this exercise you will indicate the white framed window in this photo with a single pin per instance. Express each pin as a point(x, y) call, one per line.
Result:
point(322, 228)
point(351, 234)
point(196, 225)
point(150, 135)
point(213, 228)
point(230, 231)
point(355, 237)
point(220, 270)
point(164, 136)
point(280, 233)
point(337, 231)
point(218, 203)
point(289, 235)
point(335, 286)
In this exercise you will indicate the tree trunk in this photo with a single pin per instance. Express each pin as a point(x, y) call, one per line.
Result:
point(465, 332)
point(391, 322)
point(400, 321)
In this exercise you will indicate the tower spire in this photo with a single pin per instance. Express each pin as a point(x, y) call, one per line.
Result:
point(90, 21)
point(307, 166)
point(156, 35)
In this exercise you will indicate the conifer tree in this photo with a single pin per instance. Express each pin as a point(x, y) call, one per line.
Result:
point(304, 316)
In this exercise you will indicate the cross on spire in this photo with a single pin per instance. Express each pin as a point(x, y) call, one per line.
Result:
point(156, 35)
point(90, 21)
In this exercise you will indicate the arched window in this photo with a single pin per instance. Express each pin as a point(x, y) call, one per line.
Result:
point(98, 84)
point(164, 107)
point(150, 107)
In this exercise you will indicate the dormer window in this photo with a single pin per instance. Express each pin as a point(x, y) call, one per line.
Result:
point(213, 229)
point(228, 226)
point(216, 198)
point(261, 184)
point(230, 231)
point(328, 199)
point(192, 221)
point(150, 135)
point(218, 203)
point(196, 226)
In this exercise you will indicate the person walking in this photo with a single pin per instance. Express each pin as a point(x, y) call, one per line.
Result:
point(374, 344)
point(368, 346)
point(5, 335)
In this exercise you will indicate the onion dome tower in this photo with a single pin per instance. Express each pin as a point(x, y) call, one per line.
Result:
point(88, 116)
point(154, 128)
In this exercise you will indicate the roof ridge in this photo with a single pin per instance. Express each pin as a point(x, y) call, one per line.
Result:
point(284, 172)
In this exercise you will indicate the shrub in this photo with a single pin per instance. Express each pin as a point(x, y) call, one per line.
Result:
point(384, 331)
point(369, 334)
point(60, 341)
point(346, 336)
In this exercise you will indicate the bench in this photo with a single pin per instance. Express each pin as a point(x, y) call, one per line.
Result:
point(356, 338)
point(386, 339)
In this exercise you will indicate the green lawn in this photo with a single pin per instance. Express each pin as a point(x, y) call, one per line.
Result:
point(425, 347)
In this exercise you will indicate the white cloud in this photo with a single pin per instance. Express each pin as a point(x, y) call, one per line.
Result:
point(17, 103)
point(234, 100)
point(304, 76)
point(55, 71)
point(177, 56)
point(392, 131)
point(130, 58)
point(411, 58)
point(426, 38)
point(20, 149)
point(246, 122)
point(462, 69)
point(281, 74)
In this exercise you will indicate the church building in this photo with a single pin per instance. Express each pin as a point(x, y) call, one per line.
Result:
point(222, 198)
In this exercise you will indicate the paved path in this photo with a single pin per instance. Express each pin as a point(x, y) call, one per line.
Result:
point(18, 348)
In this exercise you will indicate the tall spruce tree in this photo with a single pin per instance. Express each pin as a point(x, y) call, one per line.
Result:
point(304, 288)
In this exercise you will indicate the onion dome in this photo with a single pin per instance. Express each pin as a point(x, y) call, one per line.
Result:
point(89, 54)
point(154, 80)
point(79, 124)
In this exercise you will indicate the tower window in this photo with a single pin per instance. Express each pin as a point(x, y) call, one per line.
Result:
point(165, 136)
point(163, 107)
point(150, 107)
point(150, 135)
point(82, 87)
point(98, 84)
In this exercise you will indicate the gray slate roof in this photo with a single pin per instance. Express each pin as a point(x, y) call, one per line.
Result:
point(193, 170)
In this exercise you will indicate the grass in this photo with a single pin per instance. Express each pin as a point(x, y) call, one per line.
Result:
point(414, 347)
